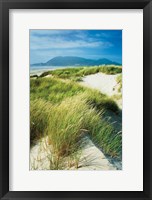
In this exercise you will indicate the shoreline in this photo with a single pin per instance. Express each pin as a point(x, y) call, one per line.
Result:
point(38, 72)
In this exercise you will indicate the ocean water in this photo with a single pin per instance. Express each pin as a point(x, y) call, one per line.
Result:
point(38, 70)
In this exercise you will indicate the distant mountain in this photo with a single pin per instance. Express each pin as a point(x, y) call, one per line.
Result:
point(75, 61)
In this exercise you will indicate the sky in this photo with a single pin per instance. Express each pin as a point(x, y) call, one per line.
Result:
point(92, 44)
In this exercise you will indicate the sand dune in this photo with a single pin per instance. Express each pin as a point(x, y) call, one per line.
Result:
point(104, 83)
point(92, 158)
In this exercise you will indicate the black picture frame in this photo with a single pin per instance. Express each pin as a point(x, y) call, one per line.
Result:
point(5, 5)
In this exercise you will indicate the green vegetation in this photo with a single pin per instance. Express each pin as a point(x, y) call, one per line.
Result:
point(67, 122)
point(65, 111)
point(119, 81)
point(56, 90)
point(34, 76)
point(79, 72)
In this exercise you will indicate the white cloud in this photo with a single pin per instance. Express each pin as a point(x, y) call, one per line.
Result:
point(60, 42)
point(48, 33)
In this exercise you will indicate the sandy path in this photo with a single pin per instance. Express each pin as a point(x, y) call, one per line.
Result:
point(102, 82)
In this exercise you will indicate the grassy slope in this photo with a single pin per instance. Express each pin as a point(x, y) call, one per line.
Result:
point(55, 90)
point(77, 73)
point(62, 109)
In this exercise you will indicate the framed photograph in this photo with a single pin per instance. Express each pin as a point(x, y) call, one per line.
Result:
point(75, 99)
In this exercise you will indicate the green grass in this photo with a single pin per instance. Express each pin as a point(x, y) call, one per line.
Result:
point(67, 122)
point(39, 117)
point(64, 110)
point(78, 72)
point(55, 90)
point(119, 81)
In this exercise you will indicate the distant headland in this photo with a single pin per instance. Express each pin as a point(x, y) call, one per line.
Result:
point(75, 61)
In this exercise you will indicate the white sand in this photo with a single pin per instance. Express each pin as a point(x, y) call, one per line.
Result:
point(48, 76)
point(104, 83)
point(91, 158)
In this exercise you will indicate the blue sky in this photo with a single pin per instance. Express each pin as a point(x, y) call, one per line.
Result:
point(93, 44)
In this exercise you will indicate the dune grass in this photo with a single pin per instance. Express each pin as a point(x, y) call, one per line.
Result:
point(56, 90)
point(119, 81)
point(65, 111)
point(78, 72)
point(67, 122)
point(53, 89)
